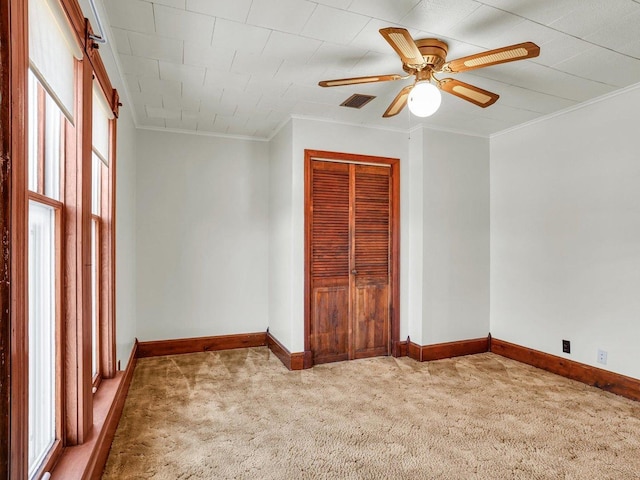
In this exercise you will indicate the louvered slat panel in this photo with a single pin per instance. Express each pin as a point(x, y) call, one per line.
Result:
point(330, 221)
point(372, 234)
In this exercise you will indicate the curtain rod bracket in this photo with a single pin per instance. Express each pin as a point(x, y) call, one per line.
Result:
point(102, 38)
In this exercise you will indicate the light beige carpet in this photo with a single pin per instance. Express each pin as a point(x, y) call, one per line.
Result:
point(240, 414)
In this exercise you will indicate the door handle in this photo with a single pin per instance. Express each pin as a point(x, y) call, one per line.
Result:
point(354, 271)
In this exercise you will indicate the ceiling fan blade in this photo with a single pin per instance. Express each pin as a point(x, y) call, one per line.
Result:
point(357, 80)
point(512, 53)
point(470, 93)
point(399, 102)
point(403, 44)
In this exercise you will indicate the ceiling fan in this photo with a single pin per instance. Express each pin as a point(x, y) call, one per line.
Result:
point(426, 57)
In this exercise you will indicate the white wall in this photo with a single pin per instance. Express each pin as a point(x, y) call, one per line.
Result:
point(202, 238)
point(455, 291)
point(444, 180)
point(565, 234)
point(281, 236)
point(412, 242)
point(125, 236)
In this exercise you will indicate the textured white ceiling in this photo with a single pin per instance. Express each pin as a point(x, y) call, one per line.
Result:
point(242, 67)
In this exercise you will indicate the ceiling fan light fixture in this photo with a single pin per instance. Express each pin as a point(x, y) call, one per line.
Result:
point(425, 57)
point(424, 99)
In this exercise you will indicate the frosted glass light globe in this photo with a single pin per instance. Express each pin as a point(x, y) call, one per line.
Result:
point(424, 99)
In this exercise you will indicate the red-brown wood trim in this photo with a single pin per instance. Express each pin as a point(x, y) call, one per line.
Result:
point(612, 382)
point(83, 349)
point(293, 361)
point(426, 353)
point(400, 349)
point(45, 200)
point(77, 265)
point(279, 350)
point(13, 287)
point(107, 272)
point(115, 102)
point(103, 80)
point(111, 229)
point(200, 344)
point(5, 226)
point(99, 70)
point(414, 351)
point(82, 29)
point(307, 251)
point(76, 19)
point(395, 253)
point(394, 164)
point(87, 461)
point(352, 259)
point(69, 291)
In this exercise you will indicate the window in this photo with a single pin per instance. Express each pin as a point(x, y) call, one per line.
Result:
point(42, 333)
point(100, 242)
point(95, 269)
point(46, 154)
point(63, 334)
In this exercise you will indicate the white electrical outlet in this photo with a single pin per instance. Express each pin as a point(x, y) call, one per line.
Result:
point(602, 357)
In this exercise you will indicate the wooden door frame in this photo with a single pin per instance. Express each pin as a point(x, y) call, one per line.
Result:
point(394, 310)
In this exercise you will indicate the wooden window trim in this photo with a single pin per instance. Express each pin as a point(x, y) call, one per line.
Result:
point(38, 197)
point(106, 255)
point(107, 261)
point(6, 89)
point(14, 49)
point(77, 288)
point(76, 19)
point(51, 459)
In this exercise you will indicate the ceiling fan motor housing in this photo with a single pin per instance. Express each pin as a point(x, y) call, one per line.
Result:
point(434, 52)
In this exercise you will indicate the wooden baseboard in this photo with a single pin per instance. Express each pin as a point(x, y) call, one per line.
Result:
point(400, 349)
point(87, 461)
point(201, 344)
point(597, 377)
point(439, 351)
point(293, 361)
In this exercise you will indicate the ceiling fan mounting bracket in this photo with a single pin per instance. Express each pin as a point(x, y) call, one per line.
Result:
point(433, 51)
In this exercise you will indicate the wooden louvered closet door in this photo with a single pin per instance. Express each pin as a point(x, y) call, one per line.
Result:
point(371, 249)
point(349, 261)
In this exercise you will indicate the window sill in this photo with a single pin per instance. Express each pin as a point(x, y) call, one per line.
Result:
point(87, 461)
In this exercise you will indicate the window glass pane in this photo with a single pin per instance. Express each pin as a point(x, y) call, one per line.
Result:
point(94, 298)
point(53, 149)
point(100, 124)
point(33, 133)
point(42, 333)
point(96, 166)
point(44, 158)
